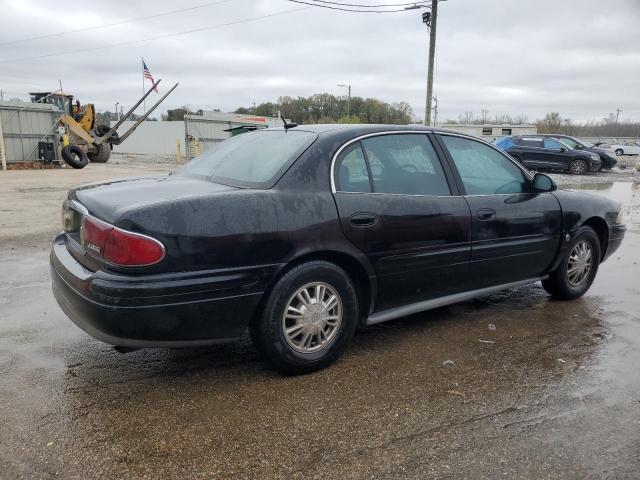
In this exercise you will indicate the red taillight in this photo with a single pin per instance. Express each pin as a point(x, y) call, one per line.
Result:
point(119, 246)
point(131, 249)
point(94, 234)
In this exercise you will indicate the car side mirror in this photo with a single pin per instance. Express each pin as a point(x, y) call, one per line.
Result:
point(562, 149)
point(543, 183)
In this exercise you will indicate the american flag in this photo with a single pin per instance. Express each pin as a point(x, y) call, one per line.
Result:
point(147, 74)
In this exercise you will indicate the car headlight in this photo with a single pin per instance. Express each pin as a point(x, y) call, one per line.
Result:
point(594, 156)
point(620, 217)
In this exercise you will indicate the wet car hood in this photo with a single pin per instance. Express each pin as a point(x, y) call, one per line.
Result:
point(109, 200)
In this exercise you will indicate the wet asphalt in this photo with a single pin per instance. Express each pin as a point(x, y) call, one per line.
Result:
point(512, 385)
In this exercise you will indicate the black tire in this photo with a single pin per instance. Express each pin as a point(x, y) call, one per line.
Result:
point(559, 284)
point(74, 156)
point(267, 329)
point(578, 167)
point(102, 155)
point(619, 152)
point(102, 130)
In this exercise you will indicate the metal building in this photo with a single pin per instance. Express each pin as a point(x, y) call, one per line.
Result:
point(490, 132)
point(197, 133)
point(29, 132)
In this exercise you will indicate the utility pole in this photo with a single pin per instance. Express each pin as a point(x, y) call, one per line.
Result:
point(348, 87)
point(117, 113)
point(435, 111)
point(618, 110)
point(430, 19)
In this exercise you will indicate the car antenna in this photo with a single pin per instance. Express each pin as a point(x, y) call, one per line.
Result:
point(287, 126)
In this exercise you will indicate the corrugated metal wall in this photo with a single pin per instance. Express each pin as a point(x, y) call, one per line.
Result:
point(152, 138)
point(24, 125)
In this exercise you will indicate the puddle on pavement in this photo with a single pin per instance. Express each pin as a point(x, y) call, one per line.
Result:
point(622, 192)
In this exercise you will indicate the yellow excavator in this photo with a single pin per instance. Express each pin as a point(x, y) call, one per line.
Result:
point(82, 140)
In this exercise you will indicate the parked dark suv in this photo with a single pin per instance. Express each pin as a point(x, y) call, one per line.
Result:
point(607, 160)
point(538, 153)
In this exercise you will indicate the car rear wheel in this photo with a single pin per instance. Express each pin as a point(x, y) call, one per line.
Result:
point(578, 267)
point(578, 167)
point(619, 152)
point(308, 319)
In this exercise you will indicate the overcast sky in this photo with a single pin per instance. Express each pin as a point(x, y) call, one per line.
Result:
point(578, 57)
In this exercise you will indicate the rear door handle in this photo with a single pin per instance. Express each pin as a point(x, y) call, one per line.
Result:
point(363, 219)
point(486, 214)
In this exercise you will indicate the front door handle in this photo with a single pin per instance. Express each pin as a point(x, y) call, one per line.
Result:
point(363, 219)
point(485, 214)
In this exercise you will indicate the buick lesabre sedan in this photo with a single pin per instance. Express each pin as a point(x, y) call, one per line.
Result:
point(300, 235)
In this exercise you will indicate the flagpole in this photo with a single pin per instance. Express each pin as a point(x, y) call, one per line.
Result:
point(144, 102)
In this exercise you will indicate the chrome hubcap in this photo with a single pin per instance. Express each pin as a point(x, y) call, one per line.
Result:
point(312, 317)
point(580, 261)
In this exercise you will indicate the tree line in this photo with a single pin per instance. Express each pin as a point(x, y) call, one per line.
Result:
point(553, 122)
point(608, 126)
point(328, 108)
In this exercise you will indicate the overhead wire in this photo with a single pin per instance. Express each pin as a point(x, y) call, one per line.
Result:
point(382, 5)
point(108, 25)
point(157, 37)
point(309, 4)
point(316, 4)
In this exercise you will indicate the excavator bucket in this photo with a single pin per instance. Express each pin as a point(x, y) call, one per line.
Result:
point(108, 136)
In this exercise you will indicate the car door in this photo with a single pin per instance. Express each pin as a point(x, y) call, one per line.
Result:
point(631, 148)
point(515, 233)
point(397, 206)
point(532, 153)
point(556, 155)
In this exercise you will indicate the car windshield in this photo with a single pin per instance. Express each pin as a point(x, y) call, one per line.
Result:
point(253, 159)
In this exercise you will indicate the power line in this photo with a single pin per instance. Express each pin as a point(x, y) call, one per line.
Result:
point(359, 5)
point(122, 22)
point(159, 37)
point(354, 10)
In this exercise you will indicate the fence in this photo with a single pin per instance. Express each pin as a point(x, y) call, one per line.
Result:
point(23, 126)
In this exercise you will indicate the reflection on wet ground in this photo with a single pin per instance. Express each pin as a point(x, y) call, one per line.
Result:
point(511, 385)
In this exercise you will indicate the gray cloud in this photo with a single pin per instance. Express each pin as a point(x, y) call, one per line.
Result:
point(578, 57)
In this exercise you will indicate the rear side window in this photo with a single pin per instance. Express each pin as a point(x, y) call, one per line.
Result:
point(484, 171)
point(253, 159)
point(405, 164)
point(531, 142)
point(351, 166)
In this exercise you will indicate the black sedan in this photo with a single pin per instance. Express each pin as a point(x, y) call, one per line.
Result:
point(301, 235)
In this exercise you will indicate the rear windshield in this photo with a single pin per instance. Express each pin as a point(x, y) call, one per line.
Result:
point(255, 159)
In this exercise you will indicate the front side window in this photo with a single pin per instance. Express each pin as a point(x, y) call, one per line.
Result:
point(551, 143)
point(405, 164)
point(352, 173)
point(255, 159)
point(570, 142)
point(484, 170)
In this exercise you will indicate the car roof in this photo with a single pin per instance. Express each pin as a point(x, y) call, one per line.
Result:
point(357, 127)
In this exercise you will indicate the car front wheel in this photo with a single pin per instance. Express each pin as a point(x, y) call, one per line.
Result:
point(619, 152)
point(578, 267)
point(308, 319)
